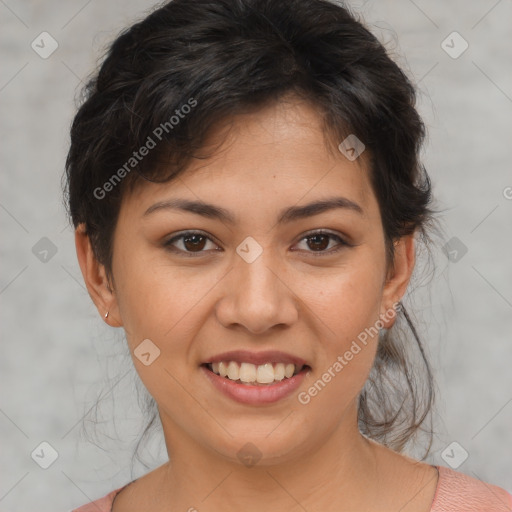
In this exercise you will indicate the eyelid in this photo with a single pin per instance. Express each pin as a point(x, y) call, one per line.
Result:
point(185, 232)
point(321, 231)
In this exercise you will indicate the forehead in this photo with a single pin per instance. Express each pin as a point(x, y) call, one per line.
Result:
point(277, 154)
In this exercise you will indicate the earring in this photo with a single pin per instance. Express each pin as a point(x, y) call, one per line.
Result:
point(106, 315)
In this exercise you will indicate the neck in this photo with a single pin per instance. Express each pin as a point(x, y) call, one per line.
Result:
point(343, 467)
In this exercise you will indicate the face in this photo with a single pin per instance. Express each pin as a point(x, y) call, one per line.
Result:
point(266, 260)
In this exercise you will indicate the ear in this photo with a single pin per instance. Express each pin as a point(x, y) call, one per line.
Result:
point(96, 280)
point(398, 277)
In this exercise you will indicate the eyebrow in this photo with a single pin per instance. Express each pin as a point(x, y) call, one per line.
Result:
point(287, 215)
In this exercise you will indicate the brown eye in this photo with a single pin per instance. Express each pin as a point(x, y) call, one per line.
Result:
point(190, 243)
point(319, 243)
point(194, 242)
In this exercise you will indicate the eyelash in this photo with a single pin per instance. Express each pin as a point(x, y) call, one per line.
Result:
point(341, 243)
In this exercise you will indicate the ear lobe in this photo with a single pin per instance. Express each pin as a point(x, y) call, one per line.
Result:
point(95, 278)
point(398, 278)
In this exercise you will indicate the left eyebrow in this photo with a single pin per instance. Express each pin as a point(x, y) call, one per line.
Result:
point(300, 212)
point(288, 215)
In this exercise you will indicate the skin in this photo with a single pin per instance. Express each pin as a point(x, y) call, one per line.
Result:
point(290, 299)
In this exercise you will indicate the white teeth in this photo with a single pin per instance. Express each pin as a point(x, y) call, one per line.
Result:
point(223, 369)
point(249, 373)
point(233, 371)
point(265, 373)
point(279, 371)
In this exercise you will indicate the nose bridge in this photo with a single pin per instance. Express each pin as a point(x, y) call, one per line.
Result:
point(257, 296)
point(258, 280)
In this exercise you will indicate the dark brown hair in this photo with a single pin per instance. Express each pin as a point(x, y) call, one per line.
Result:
point(191, 64)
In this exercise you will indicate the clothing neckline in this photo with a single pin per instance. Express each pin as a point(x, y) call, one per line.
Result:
point(116, 492)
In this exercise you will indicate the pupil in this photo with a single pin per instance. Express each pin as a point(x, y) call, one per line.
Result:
point(316, 239)
point(194, 244)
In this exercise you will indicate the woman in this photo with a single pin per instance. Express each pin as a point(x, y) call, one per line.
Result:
point(247, 195)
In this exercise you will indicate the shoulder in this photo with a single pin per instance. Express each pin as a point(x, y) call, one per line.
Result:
point(457, 492)
point(102, 505)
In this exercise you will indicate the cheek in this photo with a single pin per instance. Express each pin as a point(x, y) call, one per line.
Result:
point(348, 307)
point(349, 300)
point(347, 350)
point(160, 302)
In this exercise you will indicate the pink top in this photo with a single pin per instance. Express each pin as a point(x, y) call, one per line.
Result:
point(456, 492)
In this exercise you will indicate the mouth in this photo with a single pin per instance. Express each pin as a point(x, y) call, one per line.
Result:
point(255, 378)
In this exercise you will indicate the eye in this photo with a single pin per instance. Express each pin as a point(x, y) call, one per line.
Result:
point(319, 241)
point(190, 242)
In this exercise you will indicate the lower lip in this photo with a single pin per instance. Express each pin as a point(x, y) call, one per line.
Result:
point(255, 395)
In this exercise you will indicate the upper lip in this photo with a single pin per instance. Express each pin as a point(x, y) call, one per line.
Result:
point(257, 358)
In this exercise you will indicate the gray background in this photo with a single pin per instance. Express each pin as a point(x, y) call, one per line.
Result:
point(58, 356)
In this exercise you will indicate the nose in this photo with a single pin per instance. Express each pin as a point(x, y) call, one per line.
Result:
point(257, 297)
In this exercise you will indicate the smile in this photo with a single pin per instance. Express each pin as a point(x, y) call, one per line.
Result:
point(248, 373)
point(255, 378)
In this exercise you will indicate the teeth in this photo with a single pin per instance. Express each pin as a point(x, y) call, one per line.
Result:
point(288, 370)
point(233, 371)
point(279, 371)
point(265, 373)
point(249, 373)
point(223, 369)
